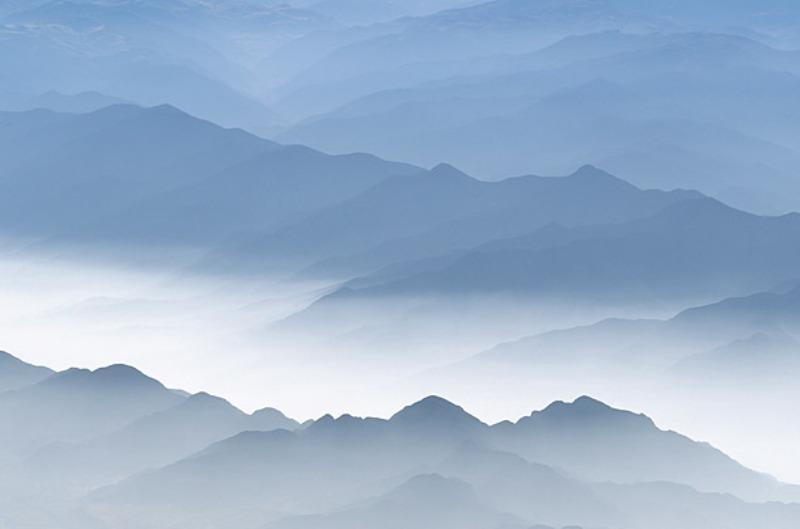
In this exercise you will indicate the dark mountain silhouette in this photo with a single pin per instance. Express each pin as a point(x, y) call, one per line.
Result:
point(692, 249)
point(444, 209)
point(586, 436)
point(78, 404)
point(432, 460)
point(111, 158)
point(435, 414)
point(152, 441)
point(254, 196)
point(149, 176)
point(349, 455)
point(14, 373)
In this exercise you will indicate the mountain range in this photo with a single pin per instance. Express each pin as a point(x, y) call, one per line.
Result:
point(734, 339)
point(144, 175)
point(359, 205)
point(606, 98)
point(160, 457)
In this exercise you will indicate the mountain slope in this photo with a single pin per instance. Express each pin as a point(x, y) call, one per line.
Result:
point(14, 373)
point(147, 176)
point(151, 441)
point(693, 248)
point(76, 405)
point(444, 210)
point(592, 440)
point(706, 341)
point(427, 499)
point(348, 456)
point(639, 105)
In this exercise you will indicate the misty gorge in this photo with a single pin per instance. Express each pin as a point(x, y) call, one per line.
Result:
point(399, 264)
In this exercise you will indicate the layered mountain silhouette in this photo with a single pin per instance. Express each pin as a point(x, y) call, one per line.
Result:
point(422, 500)
point(691, 252)
point(197, 56)
point(78, 404)
point(588, 439)
point(750, 337)
point(14, 373)
point(772, 357)
point(427, 214)
point(154, 175)
point(187, 459)
point(605, 98)
point(153, 440)
point(79, 103)
point(393, 239)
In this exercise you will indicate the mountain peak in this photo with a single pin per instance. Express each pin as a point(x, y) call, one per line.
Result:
point(16, 373)
point(7, 358)
point(433, 487)
point(434, 411)
point(591, 174)
point(445, 170)
point(119, 373)
point(166, 109)
point(270, 418)
point(206, 401)
point(586, 411)
point(116, 376)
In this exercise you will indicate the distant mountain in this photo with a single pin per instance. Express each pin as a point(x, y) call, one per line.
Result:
point(151, 441)
point(14, 373)
point(424, 500)
point(110, 157)
point(442, 210)
point(79, 103)
point(532, 491)
point(592, 440)
point(255, 196)
point(635, 104)
point(436, 416)
point(761, 311)
point(348, 456)
point(77, 405)
point(362, 12)
point(661, 505)
point(690, 253)
point(749, 336)
point(415, 50)
point(143, 176)
point(771, 358)
point(194, 55)
point(666, 256)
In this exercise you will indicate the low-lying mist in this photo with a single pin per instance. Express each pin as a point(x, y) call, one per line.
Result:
point(257, 343)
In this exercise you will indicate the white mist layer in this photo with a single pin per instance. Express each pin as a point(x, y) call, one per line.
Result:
point(214, 334)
